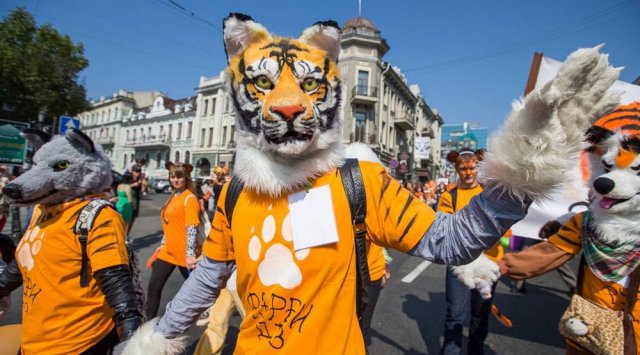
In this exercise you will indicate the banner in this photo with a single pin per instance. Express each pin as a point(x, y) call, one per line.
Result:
point(572, 196)
point(422, 148)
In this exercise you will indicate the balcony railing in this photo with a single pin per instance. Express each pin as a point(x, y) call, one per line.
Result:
point(364, 94)
point(149, 140)
point(106, 140)
point(405, 122)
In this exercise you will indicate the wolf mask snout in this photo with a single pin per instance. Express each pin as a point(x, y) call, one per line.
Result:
point(13, 191)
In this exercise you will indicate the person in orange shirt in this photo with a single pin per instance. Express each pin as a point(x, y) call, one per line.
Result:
point(457, 294)
point(180, 218)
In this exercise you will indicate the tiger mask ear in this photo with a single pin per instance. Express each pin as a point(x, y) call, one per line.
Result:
point(480, 154)
point(188, 168)
point(239, 32)
point(168, 165)
point(324, 35)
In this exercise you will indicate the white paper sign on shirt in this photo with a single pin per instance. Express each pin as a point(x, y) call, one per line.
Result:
point(312, 218)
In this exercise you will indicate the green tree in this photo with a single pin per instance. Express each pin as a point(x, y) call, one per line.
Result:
point(38, 70)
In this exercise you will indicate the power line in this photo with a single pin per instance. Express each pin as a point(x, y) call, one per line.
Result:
point(175, 7)
point(552, 34)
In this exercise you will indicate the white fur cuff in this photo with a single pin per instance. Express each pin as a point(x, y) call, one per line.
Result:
point(482, 268)
point(147, 341)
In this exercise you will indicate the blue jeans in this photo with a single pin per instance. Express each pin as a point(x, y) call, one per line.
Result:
point(457, 296)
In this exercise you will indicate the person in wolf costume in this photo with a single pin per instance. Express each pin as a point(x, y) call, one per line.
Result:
point(607, 233)
point(292, 234)
point(59, 315)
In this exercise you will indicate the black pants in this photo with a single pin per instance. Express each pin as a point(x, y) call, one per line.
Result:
point(105, 345)
point(159, 276)
point(374, 291)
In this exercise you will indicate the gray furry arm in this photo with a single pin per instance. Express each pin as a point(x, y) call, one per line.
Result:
point(10, 278)
point(459, 238)
point(197, 294)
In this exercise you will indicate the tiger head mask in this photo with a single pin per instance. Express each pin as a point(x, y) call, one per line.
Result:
point(287, 96)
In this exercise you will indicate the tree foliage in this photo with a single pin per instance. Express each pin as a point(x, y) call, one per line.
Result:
point(38, 70)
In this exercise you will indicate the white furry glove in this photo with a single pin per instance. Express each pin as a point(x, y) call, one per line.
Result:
point(543, 135)
point(480, 274)
point(147, 341)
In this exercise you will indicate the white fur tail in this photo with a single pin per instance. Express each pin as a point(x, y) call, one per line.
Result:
point(147, 341)
point(543, 136)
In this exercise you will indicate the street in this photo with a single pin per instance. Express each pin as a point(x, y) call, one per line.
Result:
point(410, 312)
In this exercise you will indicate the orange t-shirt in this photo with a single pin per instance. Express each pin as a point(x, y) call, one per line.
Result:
point(304, 301)
point(59, 316)
point(607, 293)
point(181, 211)
point(463, 198)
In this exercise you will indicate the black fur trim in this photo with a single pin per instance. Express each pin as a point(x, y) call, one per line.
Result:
point(46, 137)
point(328, 23)
point(86, 138)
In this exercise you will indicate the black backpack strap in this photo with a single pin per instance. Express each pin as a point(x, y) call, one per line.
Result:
point(233, 192)
point(354, 188)
point(83, 225)
point(454, 197)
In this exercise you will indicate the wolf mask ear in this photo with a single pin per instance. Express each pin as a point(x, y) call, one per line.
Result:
point(324, 35)
point(76, 136)
point(239, 32)
point(36, 137)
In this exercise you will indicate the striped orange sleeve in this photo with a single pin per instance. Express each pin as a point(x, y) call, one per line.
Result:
point(395, 218)
point(569, 237)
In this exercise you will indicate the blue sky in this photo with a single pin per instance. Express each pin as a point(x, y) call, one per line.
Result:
point(471, 58)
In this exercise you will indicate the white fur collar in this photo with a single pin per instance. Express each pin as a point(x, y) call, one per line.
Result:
point(267, 172)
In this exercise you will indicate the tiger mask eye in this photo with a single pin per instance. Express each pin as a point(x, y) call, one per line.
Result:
point(309, 84)
point(263, 82)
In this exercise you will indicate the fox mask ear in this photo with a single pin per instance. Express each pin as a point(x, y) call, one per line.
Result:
point(37, 138)
point(77, 136)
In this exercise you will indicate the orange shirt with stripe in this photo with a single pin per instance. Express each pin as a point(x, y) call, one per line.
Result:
point(59, 316)
point(607, 293)
point(179, 212)
point(305, 299)
point(463, 198)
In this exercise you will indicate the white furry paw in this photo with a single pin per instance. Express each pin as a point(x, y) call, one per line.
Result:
point(147, 341)
point(576, 326)
point(542, 137)
point(477, 273)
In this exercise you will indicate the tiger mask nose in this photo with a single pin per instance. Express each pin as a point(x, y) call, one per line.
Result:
point(288, 112)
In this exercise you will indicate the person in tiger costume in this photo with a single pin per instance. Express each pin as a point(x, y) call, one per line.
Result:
point(608, 233)
point(291, 236)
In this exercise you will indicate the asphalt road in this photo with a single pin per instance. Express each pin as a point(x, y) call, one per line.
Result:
point(410, 314)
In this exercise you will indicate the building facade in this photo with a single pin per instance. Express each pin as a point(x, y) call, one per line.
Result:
point(379, 108)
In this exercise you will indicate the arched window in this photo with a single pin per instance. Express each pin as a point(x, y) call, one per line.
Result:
point(187, 157)
point(158, 159)
point(177, 157)
point(124, 162)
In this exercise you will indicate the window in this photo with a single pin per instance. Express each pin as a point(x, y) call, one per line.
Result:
point(213, 106)
point(224, 136)
point(177, 157)
point(210, 143)
point(179, 133)
point(124, 162)
point(169, 132)
point(361, 122)
point(233, 134)
point(202, 134)
point(205, 108)
point(149, 132)
point(134, 135)
point(187, 157)
point(189, 127)
point(362, 87)
point(158, 159)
